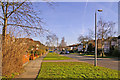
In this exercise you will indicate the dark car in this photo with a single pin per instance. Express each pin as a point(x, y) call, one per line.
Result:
point(67, 52)
point(62, 52)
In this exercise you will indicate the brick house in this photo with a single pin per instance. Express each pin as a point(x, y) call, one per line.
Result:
point(108, 43)
point(106, 46)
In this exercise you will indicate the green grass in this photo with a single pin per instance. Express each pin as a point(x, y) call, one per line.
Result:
point(55, 56)
point(74, 70)
point(74, 53)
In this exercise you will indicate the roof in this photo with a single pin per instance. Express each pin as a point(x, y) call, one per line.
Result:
point(74, 45)
point(119, 37)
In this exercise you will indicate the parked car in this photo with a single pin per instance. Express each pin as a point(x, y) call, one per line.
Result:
point(62, 52)
point(67, 52)
point(50, 51)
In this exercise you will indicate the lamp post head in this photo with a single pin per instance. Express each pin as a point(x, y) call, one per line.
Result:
point(100, 10)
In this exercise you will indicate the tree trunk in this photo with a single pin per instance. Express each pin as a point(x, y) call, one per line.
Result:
point(103, 48)
point(4, 31)
point(5, 24)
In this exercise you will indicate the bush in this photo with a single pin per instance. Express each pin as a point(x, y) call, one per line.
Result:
point(12, 56)
point(116, 53)
point(37, 52)
point(90, 47)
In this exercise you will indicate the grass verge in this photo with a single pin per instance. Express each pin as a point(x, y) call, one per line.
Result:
point(97, 56)
point(74, 70)
point(55, 56)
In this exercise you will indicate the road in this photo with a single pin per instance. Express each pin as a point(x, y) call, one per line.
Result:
point(111, 63)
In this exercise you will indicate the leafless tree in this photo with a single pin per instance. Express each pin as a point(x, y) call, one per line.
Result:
point(83, 38)
point(91, 34)
point(52, 40)
point(63, 43)
point(105, 30)
point(20, 15)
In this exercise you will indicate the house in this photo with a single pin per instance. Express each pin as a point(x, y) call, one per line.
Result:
point(74, 46)
point(114, 41)
point(80, 47)
point(110, 42)
point(91, 42)
point(106, 46)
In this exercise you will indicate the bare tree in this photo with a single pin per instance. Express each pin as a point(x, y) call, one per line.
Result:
point(105, 30)
point(52, 40)
point(63, 43)
point(91, 34)
point(47, 44)
point(20, 15)
point(83, 38)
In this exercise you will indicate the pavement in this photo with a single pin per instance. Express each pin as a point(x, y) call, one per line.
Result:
point(0, 65)
point(111, 63)
point(31, 69)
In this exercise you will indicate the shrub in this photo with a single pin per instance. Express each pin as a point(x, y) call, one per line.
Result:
point(12, 51)
point(90, 47)
point(116, 53)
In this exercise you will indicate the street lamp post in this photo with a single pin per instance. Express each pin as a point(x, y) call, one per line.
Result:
point(95, 62)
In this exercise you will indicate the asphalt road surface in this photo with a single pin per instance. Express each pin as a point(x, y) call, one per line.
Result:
point(111, 63)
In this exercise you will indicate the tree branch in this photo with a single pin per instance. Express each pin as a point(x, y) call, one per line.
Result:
point(1, 22)
point(1, 17)
point(3, 8)
point(25, 26)
point(16, 9)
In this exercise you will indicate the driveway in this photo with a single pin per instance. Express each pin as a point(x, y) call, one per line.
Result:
point(111, 63)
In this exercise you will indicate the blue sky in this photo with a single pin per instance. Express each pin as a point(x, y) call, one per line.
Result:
point(70, 19)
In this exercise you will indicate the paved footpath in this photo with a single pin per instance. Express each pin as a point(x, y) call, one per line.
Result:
point(31, 69)
point(112, 63)
point(0, 65)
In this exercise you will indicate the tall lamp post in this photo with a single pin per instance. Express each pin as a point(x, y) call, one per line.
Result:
point(95, 62)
